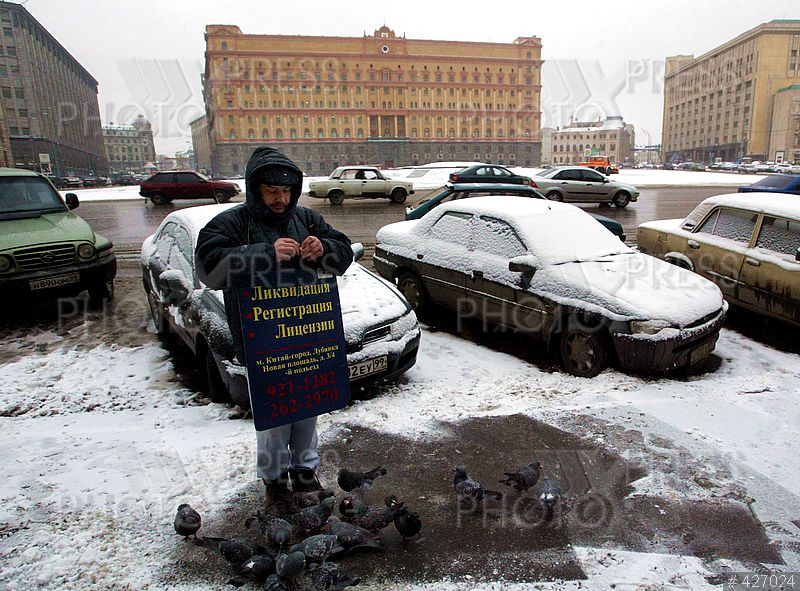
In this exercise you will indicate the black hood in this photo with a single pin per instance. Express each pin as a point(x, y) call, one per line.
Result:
point(263, 157)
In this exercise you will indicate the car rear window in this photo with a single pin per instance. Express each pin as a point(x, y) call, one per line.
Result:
point(775, 181)
point(779, 235)
point(28, 194)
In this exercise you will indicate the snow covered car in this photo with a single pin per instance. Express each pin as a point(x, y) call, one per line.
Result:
point(747, 243)
point(381, 329)
point(361, 182)
point(508, 262)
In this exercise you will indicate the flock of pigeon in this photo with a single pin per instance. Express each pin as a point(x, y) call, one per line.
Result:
point(294, 550)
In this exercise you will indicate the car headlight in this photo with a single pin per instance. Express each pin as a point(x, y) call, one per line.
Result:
point(5, 263)
point(403, 325)
point(85, 251)
point(648, 326)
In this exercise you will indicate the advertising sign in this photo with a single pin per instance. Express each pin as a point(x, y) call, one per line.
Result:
point(295, 350)
point(779, 156)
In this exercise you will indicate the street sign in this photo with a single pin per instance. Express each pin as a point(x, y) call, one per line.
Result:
point(595, 152)
point(295, 350)
point(44, 158)
point(779, 156)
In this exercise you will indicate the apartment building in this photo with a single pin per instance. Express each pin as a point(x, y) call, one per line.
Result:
point(129, 147)
point(578, 140)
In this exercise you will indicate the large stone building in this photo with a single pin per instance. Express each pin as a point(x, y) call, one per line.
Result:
point(6, 157)
point(377, 99)
point(49, 100)
point(129, 147)
point(784, 140)
point(720, 105)
point(575, 142)
point(201, 143)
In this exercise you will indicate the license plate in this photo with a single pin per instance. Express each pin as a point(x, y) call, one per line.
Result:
point(56, 281)
point(702, 351)
point(370, 366)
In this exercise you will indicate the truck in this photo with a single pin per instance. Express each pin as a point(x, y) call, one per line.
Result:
point(600, 164)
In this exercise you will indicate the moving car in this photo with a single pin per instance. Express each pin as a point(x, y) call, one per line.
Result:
point(775, 183)
point(381, 330)
point(508, 262)
point(747, 243)
point(489, 173)
point(46, 251)
point(455, 191)
point(163, 187)
point(577, 184)
point(360, 182)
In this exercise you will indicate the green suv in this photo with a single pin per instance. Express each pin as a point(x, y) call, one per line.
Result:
point(45, 249)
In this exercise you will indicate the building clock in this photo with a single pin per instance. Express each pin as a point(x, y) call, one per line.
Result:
point(384, 49)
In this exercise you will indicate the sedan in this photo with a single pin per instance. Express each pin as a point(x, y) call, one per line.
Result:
point(578, 184)
point(508, 263)
point(774, 183)
point(452, 192)
point(380, 328)
point(488, 173)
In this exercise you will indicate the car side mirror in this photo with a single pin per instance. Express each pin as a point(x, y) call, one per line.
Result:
point(358, 251)
point(176, 286)
point(72, 200)
point(525, 268)
point(605, 180)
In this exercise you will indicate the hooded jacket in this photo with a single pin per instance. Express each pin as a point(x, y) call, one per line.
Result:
point(238, 244)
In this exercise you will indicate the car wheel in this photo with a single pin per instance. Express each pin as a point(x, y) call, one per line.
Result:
point(621, 199)
point(221, 197)
point(582, 351)
point(214, 386)
point(159, 321)
point(159, 199)
point(336, 197)
point(399, 195)
point(554, 196)
point(101, 292)
point(410, 285)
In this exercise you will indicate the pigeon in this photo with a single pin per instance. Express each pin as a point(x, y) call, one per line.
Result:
point(235, 550)
point(469, 489)
point(523, 478)
point(375, 519)
point(257, 569)
point(318, 548)
point(323, 577)
point(314, 518)
point(349, 480)
point(290, 565)
point(275, 530)
point(549, 495)
point(277, 583)
point(304, 500)
point(408, 523)
point(352, 536)
point(187, 521)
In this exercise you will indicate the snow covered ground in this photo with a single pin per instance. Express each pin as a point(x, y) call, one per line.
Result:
point(101, 444)
point(430, 178)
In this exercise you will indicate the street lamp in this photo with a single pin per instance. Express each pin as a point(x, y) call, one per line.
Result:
point(649, 143)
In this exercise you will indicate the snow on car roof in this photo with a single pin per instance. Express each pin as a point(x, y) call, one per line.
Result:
point(783, 204)
point(195, 218)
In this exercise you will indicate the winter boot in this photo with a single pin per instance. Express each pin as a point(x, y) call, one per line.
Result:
point(278, 496)
point(305, 480)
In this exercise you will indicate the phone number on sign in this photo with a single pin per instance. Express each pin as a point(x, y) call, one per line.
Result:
point(307, 402)
point(307, 384)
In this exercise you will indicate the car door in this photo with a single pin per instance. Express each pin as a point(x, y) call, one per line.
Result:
point(770, 278)
point(491, 290)
point(593, 187)
point(567, 181)
point(443, 258)
point(351, 181)
point(157, 264)
point(181, 258)
point(374, 184)
point(717, 248)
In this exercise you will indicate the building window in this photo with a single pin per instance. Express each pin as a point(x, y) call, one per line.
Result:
point(360, 133)
point(293, 134)
point(279, 134)
point(233, 134)
point(265, 134)
point(320, 133)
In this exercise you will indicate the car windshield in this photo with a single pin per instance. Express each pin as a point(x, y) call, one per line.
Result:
point(202, 176)
point(28, 195)
point(776, 181)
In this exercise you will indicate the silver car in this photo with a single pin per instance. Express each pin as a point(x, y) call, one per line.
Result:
point(580, 184)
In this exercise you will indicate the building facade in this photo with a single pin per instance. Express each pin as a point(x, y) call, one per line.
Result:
point(784, 139)
point(378, 99)
point(720, 104)
point(611, 137)
point(201, 143)
point(49, 100)
point(6, 157)
point(129, 147)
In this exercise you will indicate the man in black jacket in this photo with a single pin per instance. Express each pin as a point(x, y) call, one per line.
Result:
point(268, 232)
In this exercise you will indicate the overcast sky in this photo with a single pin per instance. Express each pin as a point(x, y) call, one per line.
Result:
point(601, 57)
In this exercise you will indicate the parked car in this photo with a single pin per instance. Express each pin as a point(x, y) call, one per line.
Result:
point(509, 262)
point(71, 182)
point(163, 187)
point(668, 166)
point(380, 327)
point(488, 173)
point(748, 244)
point(577, 184)
point(90, 182)
point(775, 183)
point(364, 182)
point(46, 251)
point(453, 192)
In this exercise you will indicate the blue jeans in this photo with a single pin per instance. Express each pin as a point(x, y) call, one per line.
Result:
point(288, 446)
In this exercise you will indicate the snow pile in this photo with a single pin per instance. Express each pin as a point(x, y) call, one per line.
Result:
point(106, 378)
